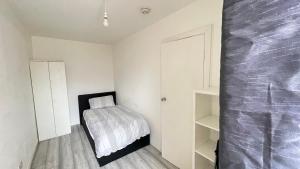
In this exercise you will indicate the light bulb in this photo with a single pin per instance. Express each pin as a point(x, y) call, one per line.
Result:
point(105, 21)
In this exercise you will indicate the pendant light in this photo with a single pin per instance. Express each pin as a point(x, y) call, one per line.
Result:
point(105, 19)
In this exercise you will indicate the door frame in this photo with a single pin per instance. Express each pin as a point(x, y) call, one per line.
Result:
point(207, 32)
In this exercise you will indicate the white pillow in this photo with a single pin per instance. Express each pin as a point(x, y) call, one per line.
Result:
point(101, 102)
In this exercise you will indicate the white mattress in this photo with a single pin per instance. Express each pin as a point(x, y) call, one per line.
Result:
point(114, 128)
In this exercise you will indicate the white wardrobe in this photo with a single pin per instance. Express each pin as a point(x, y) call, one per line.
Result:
point(185, 68)
point(50, 99)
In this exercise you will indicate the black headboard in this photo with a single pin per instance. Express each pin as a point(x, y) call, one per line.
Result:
point(83, 101)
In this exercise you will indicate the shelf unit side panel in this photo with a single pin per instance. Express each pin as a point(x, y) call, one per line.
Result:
point(215, 107)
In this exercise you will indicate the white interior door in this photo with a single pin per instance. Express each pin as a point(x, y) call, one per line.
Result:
point(59, 97)
point(182, 71)
point(43, 100)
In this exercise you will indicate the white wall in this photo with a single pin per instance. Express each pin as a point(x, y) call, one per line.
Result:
point(137, 59)
point(89, 66)
point(17, 121)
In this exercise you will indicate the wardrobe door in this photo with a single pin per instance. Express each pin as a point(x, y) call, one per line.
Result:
point(182, 72)
point(59, 97)
point(42, 100)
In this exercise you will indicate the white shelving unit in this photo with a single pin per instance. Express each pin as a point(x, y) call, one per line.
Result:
point(206, 127)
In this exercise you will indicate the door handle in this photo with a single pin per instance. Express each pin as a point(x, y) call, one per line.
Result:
point(163, 99)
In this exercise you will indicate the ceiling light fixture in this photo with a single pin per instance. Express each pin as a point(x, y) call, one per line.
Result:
point(105, 19)
point(145, 10)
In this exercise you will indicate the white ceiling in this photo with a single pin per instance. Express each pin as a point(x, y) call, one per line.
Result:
point(82, 19)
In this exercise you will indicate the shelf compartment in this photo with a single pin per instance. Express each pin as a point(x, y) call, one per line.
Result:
point(202, 163)
point(211, 122)
point(206, 106)
point(207, 150)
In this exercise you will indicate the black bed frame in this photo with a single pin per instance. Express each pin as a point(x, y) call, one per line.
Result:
point(83, 101)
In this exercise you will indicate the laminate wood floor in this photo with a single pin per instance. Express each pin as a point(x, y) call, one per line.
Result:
point(73, 151)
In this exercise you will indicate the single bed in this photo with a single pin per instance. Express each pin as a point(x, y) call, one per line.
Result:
point(104, 155)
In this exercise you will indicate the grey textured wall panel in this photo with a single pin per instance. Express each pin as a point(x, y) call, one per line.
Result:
point(260, 85)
